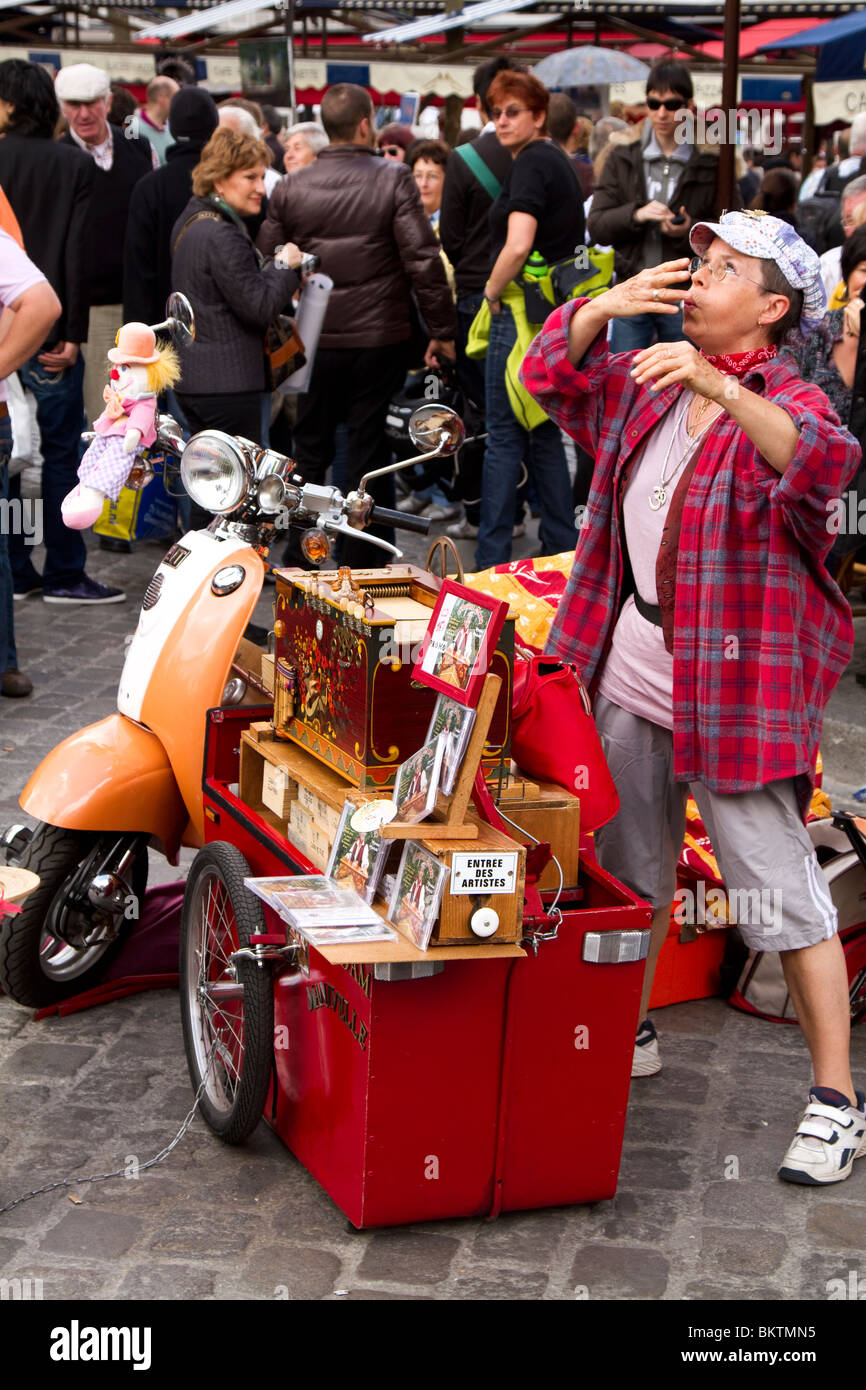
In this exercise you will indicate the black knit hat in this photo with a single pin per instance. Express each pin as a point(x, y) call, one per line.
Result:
point(192, 115)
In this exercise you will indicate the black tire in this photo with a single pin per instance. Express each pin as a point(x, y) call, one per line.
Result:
point(241, 1028)
point(38, 968)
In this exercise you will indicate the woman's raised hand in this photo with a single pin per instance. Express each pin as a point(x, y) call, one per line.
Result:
point(649, 292)
point(665, 363)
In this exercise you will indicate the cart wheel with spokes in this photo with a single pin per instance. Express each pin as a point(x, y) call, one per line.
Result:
point(227, 1006)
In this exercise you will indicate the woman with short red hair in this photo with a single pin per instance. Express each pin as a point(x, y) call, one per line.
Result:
point(539, 209)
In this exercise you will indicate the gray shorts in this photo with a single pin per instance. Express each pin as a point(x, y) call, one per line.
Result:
point(775, 889)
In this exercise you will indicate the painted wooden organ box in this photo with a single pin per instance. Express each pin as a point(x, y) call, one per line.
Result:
point(346, 645)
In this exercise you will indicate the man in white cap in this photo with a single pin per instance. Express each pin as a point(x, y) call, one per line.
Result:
point(84, 93)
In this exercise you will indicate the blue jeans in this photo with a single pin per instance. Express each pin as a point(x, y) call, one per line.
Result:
point(8, 654)
point(60, 414)
point(509, 444)
point(642, 330)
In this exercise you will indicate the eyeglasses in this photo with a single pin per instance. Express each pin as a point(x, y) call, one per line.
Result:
point(509, 112)
point(393, 150)
point(721, 272)
point(669, 103)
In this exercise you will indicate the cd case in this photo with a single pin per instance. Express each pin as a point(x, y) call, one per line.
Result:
point(456, 721)
point(322, 910)
point(417, 782)
point(417, 894)
point(357, 856)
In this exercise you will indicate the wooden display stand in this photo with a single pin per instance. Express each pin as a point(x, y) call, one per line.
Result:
point(449, 814)
point(548, 813)
point(452, 829)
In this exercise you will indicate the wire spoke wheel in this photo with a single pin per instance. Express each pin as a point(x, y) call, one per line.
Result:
point(227, 1005)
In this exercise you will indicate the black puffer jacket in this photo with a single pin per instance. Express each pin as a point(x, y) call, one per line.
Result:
point(214, 264)
point(621, 190)
point(362, 214)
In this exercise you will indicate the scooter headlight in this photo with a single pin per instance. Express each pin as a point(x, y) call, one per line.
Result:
point(213, 471)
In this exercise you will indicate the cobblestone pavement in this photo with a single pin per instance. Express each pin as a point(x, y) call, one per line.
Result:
point(87, 1093)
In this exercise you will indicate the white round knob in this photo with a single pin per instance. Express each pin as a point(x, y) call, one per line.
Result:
point(484, 922)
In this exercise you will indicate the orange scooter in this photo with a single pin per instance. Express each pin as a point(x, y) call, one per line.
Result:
point(134, 780)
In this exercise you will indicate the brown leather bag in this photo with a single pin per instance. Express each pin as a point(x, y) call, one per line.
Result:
point(284, 351)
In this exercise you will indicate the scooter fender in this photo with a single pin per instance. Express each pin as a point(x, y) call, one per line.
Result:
point(113, 775)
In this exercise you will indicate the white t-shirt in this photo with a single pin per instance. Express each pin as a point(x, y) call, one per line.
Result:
point(831, 269)
point(638, 674)
point(17, 274)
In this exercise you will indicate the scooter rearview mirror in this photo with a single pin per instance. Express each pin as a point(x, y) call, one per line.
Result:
point(436, 429)
point(179, 322)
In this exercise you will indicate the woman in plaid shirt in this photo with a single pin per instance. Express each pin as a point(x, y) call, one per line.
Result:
point(700, 608)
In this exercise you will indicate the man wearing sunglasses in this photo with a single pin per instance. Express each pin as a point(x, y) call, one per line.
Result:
point(650, 194)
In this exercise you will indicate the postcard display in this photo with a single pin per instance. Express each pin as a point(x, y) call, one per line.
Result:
point(353, 723)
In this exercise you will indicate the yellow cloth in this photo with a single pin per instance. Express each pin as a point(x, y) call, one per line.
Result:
point(839, 297)
point(533, 610)
point(527, 411)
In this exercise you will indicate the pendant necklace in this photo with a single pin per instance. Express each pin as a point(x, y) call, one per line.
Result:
point(659, 496)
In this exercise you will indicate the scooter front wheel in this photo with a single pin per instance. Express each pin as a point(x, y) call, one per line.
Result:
point(50, 951)
point(227, 1003)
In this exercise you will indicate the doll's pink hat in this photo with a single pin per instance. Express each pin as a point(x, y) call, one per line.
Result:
point(136, 343)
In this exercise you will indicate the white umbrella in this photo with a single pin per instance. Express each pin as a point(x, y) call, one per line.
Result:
point(589, 67)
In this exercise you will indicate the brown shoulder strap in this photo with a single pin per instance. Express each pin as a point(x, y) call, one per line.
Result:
point(196, 217)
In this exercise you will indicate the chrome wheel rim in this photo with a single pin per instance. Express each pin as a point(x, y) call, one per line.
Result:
point(59, 961)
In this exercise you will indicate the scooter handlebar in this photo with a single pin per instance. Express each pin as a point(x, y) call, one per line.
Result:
point(386, 517)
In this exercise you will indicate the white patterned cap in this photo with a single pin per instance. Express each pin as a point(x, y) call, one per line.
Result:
point(755, 233)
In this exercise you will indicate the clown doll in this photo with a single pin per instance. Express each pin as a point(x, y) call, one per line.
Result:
point(127, 425)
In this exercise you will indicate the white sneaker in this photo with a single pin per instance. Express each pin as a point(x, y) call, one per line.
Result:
point(647, 1061)
point(436, 512)
point(462, 530)
point(828, 1139)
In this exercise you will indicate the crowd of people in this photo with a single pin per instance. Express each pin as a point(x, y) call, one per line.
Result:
point(693, 409)
point(427, 261)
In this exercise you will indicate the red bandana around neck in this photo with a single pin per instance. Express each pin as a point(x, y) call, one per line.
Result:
point(739, 363)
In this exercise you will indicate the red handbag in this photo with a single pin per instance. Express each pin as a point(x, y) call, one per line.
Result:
point(554, 736)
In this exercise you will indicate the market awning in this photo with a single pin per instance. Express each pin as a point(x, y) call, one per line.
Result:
point(841, 45)
point(438, 23)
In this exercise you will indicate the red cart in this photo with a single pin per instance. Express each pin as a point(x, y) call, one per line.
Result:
point(461, 1081)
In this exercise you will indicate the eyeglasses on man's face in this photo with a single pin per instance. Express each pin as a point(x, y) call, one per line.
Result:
point(509, 112)
point(669, 103)
point(720, 271)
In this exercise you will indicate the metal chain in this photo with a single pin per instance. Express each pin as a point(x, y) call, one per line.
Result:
point(553, 912)
point(121, 1172)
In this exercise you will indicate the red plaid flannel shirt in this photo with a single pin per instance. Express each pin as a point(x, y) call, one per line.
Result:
point(762, 634)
